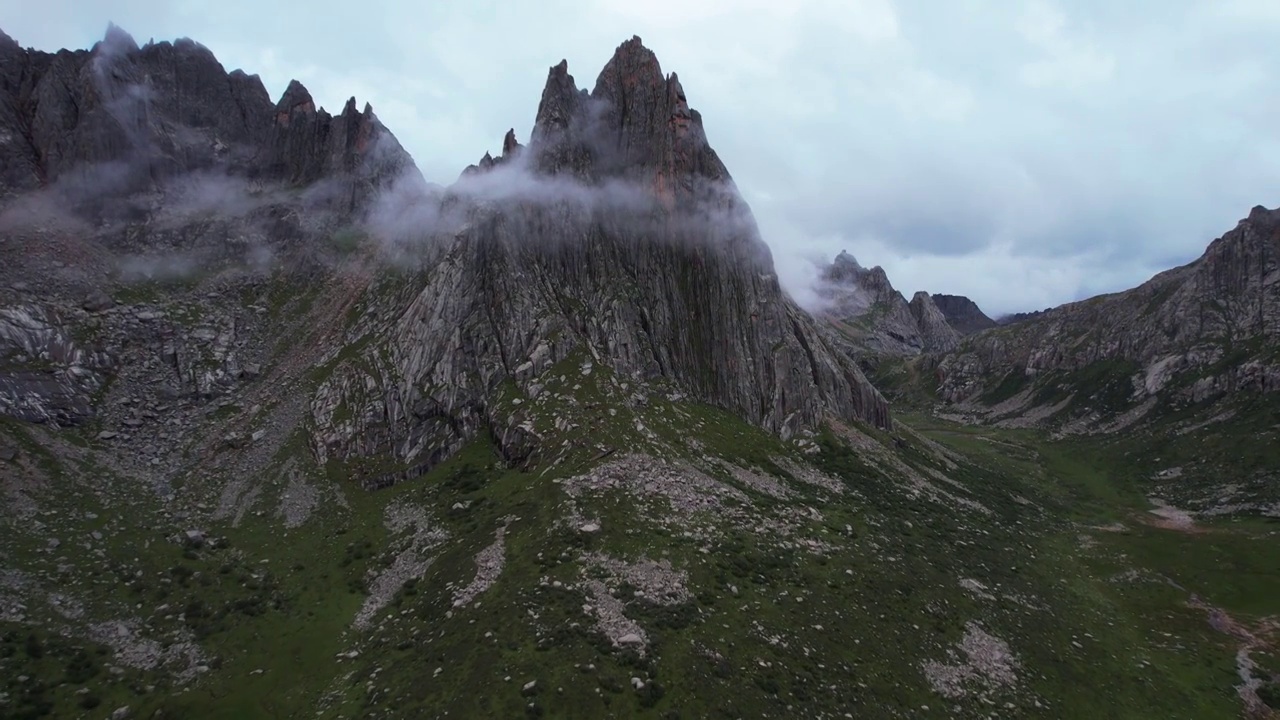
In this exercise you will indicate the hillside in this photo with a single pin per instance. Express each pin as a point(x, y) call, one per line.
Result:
point(287, 432)
point(1181, 370)
point(876, 320)
point(962, 313)
point(1188, 335)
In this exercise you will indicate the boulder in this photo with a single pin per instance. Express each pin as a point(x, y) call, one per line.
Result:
point(97, 301)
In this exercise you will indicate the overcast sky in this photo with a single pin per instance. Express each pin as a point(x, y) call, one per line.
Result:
point(1021, 153)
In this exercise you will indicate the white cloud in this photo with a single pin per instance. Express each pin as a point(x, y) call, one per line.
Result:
point(1065, 61)
point(1266, 11)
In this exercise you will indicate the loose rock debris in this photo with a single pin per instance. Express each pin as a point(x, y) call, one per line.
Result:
point(987, 666)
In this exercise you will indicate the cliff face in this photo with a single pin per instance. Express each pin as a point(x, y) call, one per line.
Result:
point(875, 318)
point(1196, 332)
point(936, 334)
point(962, 314)
point(122, 166)
point(120, 118)
point(616, 235)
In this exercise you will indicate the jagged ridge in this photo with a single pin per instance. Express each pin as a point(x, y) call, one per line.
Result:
point(119, 118)
point(645, 258)
point(864, 306)
point(962, 313)
point(1213, 322)
point(122, 163)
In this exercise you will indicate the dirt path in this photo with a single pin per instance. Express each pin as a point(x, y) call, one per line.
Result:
point(1262, 637)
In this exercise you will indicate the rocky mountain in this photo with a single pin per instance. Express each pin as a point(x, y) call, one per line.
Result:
point(637, 253)
point(629, 259)
point(962, 314)
point(1019, 317)
point(125, 164)
point(285, 432)
point(875, 318)
point(1188, 336)
point(119, 119)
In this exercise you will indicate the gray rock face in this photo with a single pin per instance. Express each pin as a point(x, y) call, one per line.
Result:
point(962, 314)
point(616, 237)
point(936, 334)
point(125, 166)
point(646, 259)
point(97, 301)
point(1218, 315)
point(45, 375)
point(864, 307)
point(120, 118)
point(48, 374)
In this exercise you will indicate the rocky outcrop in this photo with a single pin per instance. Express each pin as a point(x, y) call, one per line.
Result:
point(45, 374)
point(510, 149)
point(120, 118)
point(1206, 328)
point(621, 239)
point(936, 334)
point(863, 305)
point(55, 362)
point(124, 166)
point(616, 237)
point(962, 314)
point(1019, 317)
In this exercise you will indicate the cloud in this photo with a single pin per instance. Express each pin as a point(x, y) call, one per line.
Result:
point(515, 183)
point(410, 216)
point(1066, 61)
point(208, 193)
point(1024, 154)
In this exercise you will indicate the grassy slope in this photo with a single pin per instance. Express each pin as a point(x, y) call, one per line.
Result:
point(886, 601)
point(1102, 486)
point(1094, 617)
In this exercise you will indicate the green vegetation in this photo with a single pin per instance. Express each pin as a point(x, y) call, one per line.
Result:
point(142, 292)
point(1013, 383)
point(347, 240)
point(905, 383)
point(816, 602)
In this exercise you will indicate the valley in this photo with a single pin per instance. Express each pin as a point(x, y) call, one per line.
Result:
point(286, 431)
point(1028, 569)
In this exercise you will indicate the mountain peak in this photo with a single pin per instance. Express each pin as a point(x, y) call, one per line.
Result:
point(632, 65)
point(889, 324)
point(228, 120)
point(638, 286)
point(844, 259)
point(634, 125)
point(962, 313)
point(116, 39)
point(559, 103)
point(635, 44)
point(296, 97)
point(510, 146)
point(935, 334)
point(846, 270)
point(1260, 215)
